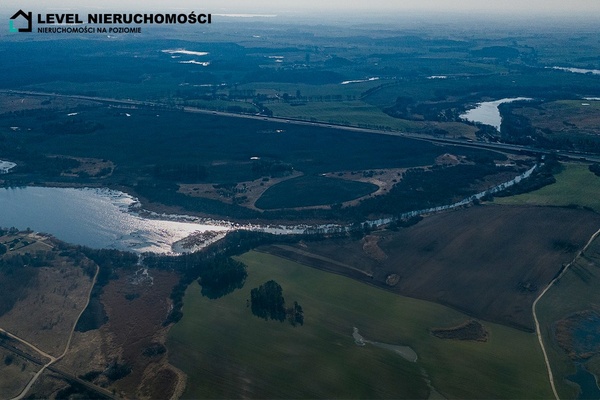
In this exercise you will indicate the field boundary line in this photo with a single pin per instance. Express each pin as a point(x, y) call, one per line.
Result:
point(535, 318)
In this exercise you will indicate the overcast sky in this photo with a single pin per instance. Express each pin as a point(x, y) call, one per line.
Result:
point(588, 7)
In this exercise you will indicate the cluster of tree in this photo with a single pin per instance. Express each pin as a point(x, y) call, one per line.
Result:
point(499, 52)
point(421, 189)
point(271, 168)
point(8, 231)
point(76, 390)
point(518, 129)
point(221, 276)
point(409, 108)
point(310, 76)
point(31, 162)
point(14, 280)
point(72, 126)
point(404, 223)
point(418, 189)
point(296, 314)
point(185, 173)
point(108, 261)
point(266, 301)
point(167, 193)
point(191, 266)
point(115, 371)
point(154, 349)
point(44, 166)
point(20, 260)
point(90, 375)
point(542, 176)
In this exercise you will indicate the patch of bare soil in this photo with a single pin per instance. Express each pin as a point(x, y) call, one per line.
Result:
point(371, 248)
point(384, 179)
point(392, 279)
point(244, 193)
point(450, 160)
point(91, 167)
point(468, 330)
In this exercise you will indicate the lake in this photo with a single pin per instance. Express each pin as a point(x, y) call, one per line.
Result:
point(487, 112)
point(588, 386)
point(98, 218)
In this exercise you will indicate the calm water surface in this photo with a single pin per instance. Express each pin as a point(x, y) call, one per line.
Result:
point(487, 112)
point(98, 218)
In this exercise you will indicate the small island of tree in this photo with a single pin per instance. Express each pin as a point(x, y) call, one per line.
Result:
point(266, 301)
point(222, 276)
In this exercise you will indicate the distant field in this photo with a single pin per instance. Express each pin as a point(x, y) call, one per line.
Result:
point(565, 117)
point(345, 112)
point(576, 291)
point(359, 113)
point(312, 191)
point(489, 261)
point(228, 352)
point(306, 90)
point(476, 88)
point(576, 185)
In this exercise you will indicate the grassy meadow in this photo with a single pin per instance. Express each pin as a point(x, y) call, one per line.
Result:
point(575, 185)
point(228, 352)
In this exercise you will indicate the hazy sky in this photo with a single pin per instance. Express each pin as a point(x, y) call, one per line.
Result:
point(588, 7)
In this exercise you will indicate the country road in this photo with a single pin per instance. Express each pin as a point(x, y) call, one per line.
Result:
point(535, 318)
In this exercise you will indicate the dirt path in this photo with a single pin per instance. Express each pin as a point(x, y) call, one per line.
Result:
point(535, 318)
point(53, 359)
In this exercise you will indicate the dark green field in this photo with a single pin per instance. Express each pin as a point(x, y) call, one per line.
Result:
point(229, 353)
point(312, 191)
